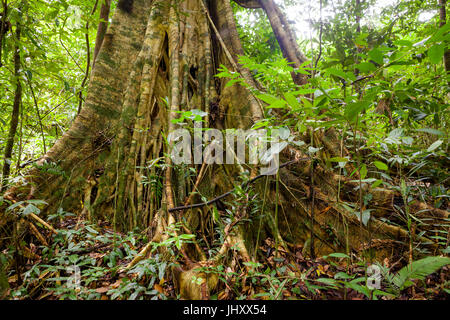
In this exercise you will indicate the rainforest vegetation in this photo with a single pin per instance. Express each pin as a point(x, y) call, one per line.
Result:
point(93, 206)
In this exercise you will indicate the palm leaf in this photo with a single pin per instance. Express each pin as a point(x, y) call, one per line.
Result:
point(419, 270)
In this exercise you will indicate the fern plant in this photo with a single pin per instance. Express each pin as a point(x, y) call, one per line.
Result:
point(419, 269)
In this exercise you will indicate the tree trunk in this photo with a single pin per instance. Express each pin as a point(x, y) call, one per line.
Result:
point(113, 159)
point(442, 22)
point(102, 26)
point(15, 112)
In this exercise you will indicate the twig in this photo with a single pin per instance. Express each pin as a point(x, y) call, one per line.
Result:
point(37, 112)
point(320, 39)
point(363, 78)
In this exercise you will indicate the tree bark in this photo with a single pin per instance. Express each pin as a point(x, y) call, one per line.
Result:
point(442, 22)
point(286, 38)
point(15, 112)
point(102, 26)
point(4, 26)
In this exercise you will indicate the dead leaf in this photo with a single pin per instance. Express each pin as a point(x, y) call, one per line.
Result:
point(158, 288)
point(116, 284)
point(102, 290)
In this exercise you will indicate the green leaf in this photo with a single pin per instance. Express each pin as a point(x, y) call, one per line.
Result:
point(304, 91)
point(431, 131)
point(404, 43)
point(268, 98)
point(36, 202)
point(273, 102)
point(357, 287)
point(380, 165)
point(353, 109)
point(216, 214)
point(366, 216)
point(419, 270)
point(435, 145)
point(231, 82)
point(338, 255)
point(363, 172)
point(91, 230)
point(337, 73)
point(342, 275)
point(376, 183)
point(436, 52)
point(13, 206)
point(29, 209)
point(292, 100)
point(361, 39)
point(26, 31)
point(376, 55)
point(328, 281)
point(339, 159)
point(365, 67)
point(441, 33)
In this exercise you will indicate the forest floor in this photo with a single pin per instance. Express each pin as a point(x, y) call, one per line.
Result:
point(101, 254)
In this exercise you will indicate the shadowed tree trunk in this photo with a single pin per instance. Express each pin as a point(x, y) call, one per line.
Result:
point(158, 58)
point(442, 22)
point(15, 112)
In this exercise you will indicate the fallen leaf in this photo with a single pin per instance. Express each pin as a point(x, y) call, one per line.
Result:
point(158, 288)
point(102, 290)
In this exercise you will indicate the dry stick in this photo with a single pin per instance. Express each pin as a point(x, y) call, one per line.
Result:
point(320, 39)
point(35, 217)
point(36, 232)
point(197, 182)
point(50, 111)
point(67, 50)
point(198, 205)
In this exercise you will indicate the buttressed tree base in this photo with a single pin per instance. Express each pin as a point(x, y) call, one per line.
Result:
point(159, 58)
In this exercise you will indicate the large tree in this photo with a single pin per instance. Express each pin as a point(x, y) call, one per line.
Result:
point(159, 58)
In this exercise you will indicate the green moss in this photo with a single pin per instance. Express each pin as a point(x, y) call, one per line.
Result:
point(106, 112)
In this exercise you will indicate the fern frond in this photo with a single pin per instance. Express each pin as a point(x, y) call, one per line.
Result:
point(419, 270)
